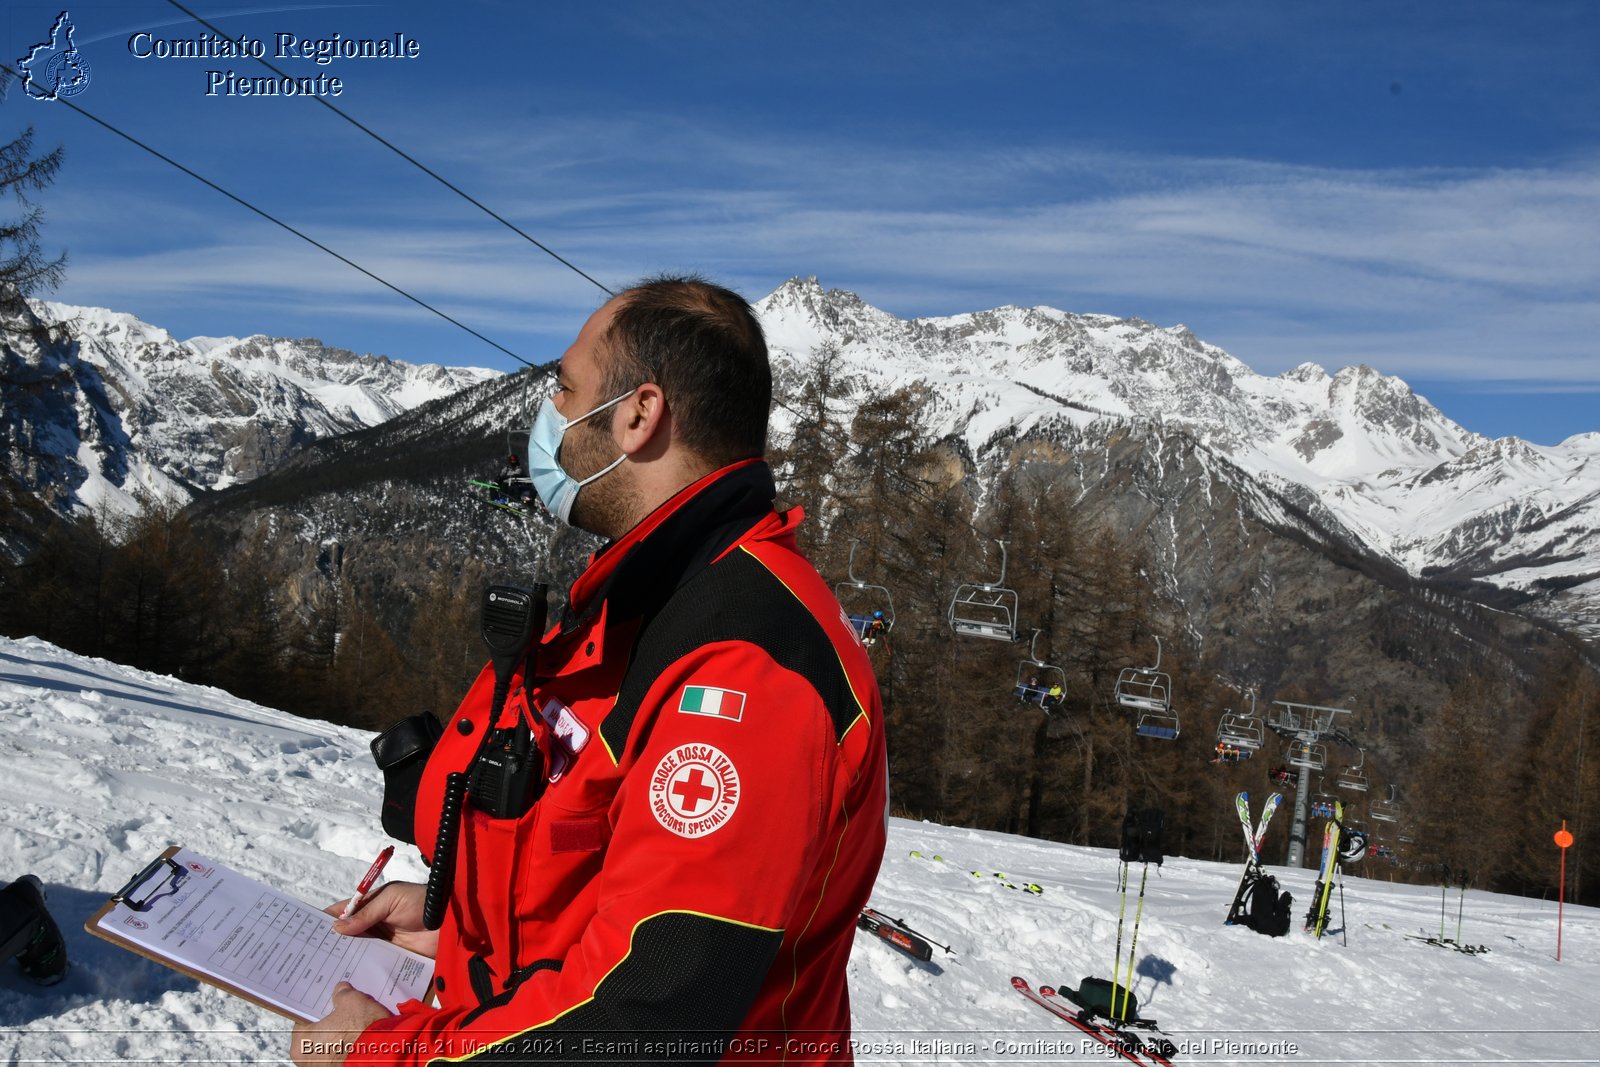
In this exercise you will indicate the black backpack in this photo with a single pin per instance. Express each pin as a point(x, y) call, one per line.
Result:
point(1141, 836)
point(1269, 909)
point(1101, 996)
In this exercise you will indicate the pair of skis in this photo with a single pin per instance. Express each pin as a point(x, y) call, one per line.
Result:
point(1317, 920)
point(1005, 879)
point(1448, 942)
point(1120, 1038)
point(1252, 844)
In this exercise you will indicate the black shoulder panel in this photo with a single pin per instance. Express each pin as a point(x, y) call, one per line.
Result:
point(735, 599)
point(682, 991)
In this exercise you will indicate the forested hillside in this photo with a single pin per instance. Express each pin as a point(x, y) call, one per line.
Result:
point(345, 586)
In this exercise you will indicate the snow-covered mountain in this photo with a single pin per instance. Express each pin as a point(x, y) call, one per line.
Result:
point(1359, 452)
point(100, 406)
point(107, 765)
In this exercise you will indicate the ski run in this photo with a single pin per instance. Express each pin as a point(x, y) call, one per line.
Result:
point(105, 766)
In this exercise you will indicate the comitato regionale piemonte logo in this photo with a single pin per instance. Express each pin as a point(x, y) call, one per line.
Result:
point(54, 69)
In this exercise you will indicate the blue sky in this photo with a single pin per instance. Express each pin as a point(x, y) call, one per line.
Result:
point(1412, 186)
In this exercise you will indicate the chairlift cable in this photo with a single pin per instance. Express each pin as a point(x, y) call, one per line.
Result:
point(837, 439)
point(242, 202)
point(419, 165)
point(487, 210)
point(908, 483)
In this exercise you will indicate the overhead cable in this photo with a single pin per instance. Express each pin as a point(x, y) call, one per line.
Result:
point(242, 202)
point(391, 146)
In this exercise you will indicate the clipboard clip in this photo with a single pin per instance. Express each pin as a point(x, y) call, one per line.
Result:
point(140, 893)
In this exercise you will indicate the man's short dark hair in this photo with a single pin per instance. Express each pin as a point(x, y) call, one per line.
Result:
point(703, 345)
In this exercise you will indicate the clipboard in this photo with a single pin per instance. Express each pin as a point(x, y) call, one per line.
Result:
point(228, 930)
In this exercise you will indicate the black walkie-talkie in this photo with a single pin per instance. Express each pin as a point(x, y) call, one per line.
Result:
point(504, 777)
point(513, 619)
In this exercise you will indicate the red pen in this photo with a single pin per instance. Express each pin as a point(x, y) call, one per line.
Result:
point(367, 879)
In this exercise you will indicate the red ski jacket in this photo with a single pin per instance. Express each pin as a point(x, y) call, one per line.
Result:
point(686, 886)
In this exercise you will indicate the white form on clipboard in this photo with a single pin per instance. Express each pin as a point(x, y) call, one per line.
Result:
point(229, 930)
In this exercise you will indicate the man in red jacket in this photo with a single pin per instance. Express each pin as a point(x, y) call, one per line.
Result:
point(711, 815)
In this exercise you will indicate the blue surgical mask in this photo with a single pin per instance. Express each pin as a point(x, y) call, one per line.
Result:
point(556, 488)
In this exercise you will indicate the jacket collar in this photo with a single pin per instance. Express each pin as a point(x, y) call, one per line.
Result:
point(637, 573)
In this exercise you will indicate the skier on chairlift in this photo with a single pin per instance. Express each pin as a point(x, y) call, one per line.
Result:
point(875, 629)
point(510, 488)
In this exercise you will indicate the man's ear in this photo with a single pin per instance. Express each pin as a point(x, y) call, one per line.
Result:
point(643, 420)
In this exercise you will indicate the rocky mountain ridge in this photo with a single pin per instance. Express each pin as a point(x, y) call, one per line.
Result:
point(100, 404)
point(101, 407)
point(1362, 455)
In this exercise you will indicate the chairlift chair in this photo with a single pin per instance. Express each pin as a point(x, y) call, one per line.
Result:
point(1385, 810)
point(985, 609)
point(1322, 803)
point(1230, 753)
point(876, 618)
point(1162, 725)
point(1146, 689)
point(1241, 731)
point(1308, 754)
point(1353, 778)
point(511, 487)
point(1039, 682)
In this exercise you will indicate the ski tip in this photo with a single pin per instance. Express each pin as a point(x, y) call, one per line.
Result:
point(1019, 983)
point(1047, 990)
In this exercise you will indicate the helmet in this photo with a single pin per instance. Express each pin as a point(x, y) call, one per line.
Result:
point(1352, 846)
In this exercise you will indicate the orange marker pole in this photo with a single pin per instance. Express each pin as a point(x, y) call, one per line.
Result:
point(1563, 842)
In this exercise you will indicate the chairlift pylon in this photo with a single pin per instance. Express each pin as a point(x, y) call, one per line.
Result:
point(875, 621)
point(1039, 682)
point(985, 609)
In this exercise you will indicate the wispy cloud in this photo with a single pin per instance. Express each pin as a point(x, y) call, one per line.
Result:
point(1448, 272)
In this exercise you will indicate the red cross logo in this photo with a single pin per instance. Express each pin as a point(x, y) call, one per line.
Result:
point(692, 791)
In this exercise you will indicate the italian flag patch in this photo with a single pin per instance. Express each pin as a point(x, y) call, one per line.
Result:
point(704, 700)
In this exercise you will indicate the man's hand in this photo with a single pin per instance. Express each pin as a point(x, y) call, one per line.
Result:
point(328, 1042)
point(393, 913)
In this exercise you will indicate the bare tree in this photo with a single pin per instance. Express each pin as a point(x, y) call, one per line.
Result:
point(24, 268)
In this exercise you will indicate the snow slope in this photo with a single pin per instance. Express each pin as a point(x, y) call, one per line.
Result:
point(105, 766)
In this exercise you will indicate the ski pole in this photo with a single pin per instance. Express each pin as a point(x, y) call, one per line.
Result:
point(1344, 924)
point(1461, 905)
point(1444, 891)
point(1127, 988)
point(1122, 911)
point(902, 924)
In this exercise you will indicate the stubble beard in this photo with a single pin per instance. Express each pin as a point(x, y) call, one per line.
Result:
point(603, 506)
